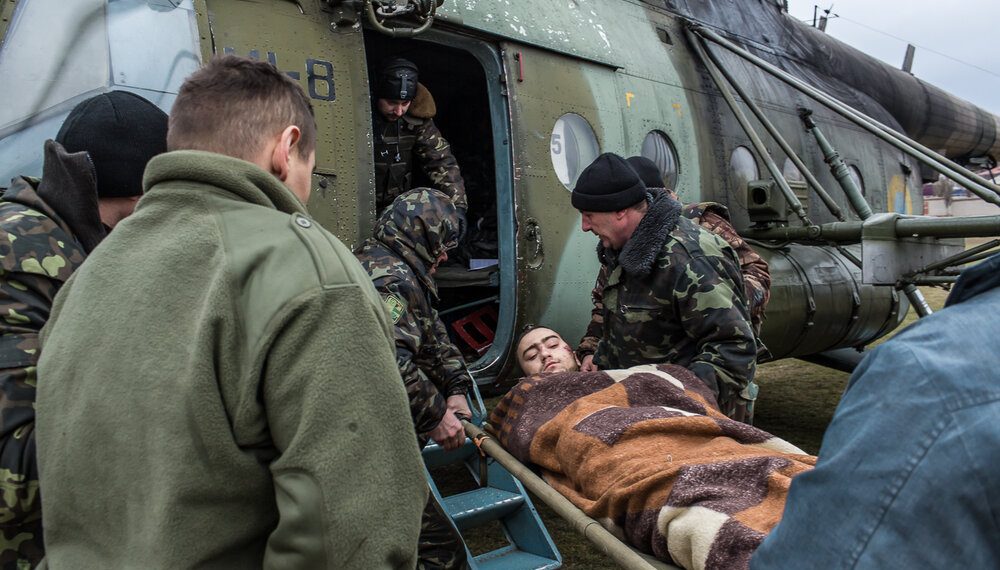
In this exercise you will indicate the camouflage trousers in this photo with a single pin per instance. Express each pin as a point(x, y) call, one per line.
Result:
point(21, 543)
point(440, 545)
point(21, 546)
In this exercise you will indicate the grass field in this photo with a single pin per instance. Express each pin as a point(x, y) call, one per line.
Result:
point(797, 400)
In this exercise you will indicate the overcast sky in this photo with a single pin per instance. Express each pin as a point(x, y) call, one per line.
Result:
point(958, 43)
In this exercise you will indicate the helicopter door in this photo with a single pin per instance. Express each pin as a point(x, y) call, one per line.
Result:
point(564, 113)
point(329, 63)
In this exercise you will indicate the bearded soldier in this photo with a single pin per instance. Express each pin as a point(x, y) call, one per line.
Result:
point(674, 293)
point(405, 137)
point(714, 218)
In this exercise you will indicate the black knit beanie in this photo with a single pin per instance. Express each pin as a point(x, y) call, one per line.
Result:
point(120, 131)
point(647, 170)
point(609, 184)
point(397, 80)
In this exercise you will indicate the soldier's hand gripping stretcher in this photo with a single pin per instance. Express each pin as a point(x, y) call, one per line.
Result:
point(449, 432)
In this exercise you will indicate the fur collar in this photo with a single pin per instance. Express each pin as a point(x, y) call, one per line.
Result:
point(641, 250)
point(422, 109)
point(423, 106)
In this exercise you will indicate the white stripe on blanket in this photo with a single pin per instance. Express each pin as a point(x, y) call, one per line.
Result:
point(619, 375)
point(691, 534)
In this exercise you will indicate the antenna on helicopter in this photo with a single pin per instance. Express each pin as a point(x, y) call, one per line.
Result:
point(824, 18)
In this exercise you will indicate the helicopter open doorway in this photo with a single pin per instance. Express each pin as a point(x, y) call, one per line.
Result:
point(477, 286)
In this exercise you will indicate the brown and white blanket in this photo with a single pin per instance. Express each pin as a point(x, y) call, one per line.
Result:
point(646, 452)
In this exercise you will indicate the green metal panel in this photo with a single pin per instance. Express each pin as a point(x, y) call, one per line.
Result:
point(325, 58)
point(654, 97)
point(544, 86)
point(579, 28)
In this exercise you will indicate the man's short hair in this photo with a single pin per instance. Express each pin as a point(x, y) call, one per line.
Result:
point(233, 105)
point(642, 205)
point(525, 330)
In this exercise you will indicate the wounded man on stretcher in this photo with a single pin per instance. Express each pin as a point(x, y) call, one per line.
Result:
point(647, 453)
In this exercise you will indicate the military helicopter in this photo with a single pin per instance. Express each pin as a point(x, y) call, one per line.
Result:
point(528, 95)
point(736, 102)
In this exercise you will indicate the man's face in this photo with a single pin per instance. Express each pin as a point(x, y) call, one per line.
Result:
point(300, 171)
point(543, 350)
point(393, 109)
point(609, 226)
point(114, 210)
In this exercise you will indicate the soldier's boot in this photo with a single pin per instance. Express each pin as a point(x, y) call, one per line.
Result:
point(440, 546)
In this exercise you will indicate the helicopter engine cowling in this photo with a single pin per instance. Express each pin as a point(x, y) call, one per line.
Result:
point(819, 303)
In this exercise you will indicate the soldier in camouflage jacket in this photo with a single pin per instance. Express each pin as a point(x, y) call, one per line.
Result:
point(674, 292)
point(47, 229)
point(714, 218)
point(405, 134)
point(411, 238)
point(756, 276)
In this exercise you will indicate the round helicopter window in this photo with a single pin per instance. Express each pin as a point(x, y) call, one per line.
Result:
point(573, 147)
point(791, 172)
point(743, 168)
point(658, 148)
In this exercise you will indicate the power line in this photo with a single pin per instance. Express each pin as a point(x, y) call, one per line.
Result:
point(895, 37)
point(944, 55)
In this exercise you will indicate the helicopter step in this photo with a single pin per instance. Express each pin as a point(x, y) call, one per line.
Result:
point(499, 497)
point(511, 557)
point(476, 508)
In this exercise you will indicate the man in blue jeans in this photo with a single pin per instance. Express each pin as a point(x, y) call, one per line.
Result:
point(908, 473)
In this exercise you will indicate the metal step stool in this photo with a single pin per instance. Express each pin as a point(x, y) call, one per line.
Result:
point(500, 497)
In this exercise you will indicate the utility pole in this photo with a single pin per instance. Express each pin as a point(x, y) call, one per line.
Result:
point(908, 59)
point(824, 18)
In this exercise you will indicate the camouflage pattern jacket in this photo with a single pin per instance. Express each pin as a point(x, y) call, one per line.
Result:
point(675, 295)
point(409, 237)
point(47, 228)
point(414, 138)
point(714, 218)
point(756, 276)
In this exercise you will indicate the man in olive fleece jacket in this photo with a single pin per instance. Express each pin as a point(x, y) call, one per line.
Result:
point(218, 386)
